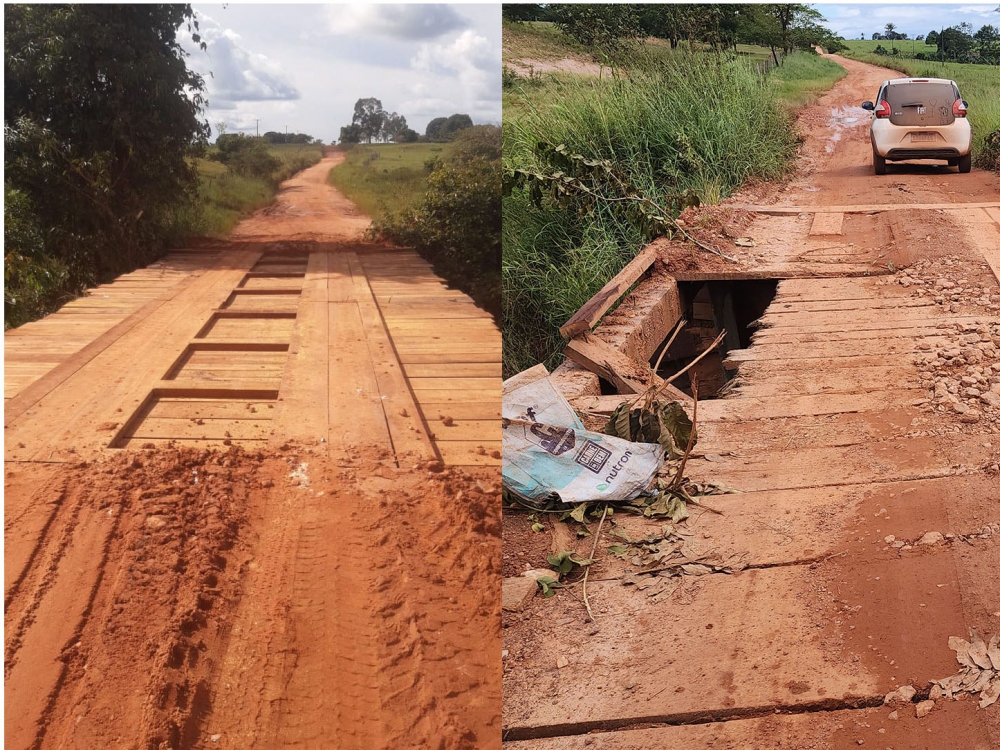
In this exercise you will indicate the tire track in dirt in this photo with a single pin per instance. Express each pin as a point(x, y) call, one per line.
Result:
point(377, 609)
point(120, 615)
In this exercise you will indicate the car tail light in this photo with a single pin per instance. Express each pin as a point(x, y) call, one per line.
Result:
point(959, 108)
point(883, 110)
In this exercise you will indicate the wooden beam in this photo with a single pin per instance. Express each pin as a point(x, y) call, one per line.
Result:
point(588, 315)
point(860, 209)
point(607, 363)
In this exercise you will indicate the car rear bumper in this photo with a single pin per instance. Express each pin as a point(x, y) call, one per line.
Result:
point(944, 142)
point(899, 154)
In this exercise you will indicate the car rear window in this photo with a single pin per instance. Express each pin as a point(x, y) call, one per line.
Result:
point(921, 104)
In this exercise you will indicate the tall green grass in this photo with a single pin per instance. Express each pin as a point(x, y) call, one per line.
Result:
point(979, 84)
point(690, 122)
point(804, 77)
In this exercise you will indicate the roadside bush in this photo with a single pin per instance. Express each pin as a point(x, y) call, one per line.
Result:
point(246, 156)
point(34, 281)
point(456, 225)
point(478, 142)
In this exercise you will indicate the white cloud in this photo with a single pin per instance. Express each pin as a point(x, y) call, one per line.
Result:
point(234, 74)
point(401, 22)
point(461, 72)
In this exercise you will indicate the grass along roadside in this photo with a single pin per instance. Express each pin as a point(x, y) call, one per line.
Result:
point(979, 84)
point(675, 122)
point(224, 197)
point(387, 177)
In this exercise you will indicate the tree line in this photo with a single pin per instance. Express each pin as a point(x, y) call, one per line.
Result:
point(954, 43)
point(612, 29)
point(372, 124)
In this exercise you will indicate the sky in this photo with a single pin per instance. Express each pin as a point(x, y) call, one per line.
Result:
point(850, 20)
point(304, 66)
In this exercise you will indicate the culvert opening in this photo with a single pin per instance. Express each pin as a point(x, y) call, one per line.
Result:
point(709, 307)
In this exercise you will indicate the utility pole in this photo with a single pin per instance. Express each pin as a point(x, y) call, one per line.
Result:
point(258, 126)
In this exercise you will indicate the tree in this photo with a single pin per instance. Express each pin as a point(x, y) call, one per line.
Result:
point(393, 126)
point(955, 43)
point(444, 128)
point(608, 28)
point(369, 117)
point(517, 12)
point(350, 134)
point(435, 128)
point(100, 111)
point(931, 38)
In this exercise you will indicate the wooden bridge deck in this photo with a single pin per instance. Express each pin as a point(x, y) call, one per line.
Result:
point(261, 344)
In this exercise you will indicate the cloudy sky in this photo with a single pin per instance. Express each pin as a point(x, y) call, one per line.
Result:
point(304, 66)
point(850, 20)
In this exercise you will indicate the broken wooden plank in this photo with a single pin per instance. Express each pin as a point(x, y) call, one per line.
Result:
point(615, 367)
point(588, 315)
point(605, 362)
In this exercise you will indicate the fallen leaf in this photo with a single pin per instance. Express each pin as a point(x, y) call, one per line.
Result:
point(994, 651)
point(977, 651)
point(989, 696)
point(744, 242)
point(961, 648)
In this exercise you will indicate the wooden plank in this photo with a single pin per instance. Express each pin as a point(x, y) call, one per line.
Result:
point(417, 356)
point(860, 209)
point(434, 410)
point(487, 385)
point(357, 418)
point(31, 395)
point(588, 315)
point(608, 363)
point(64, 423)
point(202, 429)
point(455, 370)
point(449, 395)
point(827, 224)
point(191, 408)
point(218, 443)
point(993, 213)
point(409, 435)
point(304, 409)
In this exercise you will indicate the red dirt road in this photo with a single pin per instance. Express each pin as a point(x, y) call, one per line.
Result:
point(283, 555)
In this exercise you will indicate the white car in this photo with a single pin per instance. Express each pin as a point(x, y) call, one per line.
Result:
point(920, 118)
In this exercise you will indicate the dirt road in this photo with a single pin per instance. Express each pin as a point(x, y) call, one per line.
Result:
point(250, 500)
point(861, 420)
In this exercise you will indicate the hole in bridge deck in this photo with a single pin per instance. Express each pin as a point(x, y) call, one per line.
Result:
point(709, 307)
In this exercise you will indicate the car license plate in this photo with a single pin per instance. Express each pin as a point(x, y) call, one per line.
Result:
point(922, 137)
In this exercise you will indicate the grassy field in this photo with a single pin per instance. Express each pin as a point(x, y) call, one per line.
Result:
point(225, 198)
point(907, 47)
point(387, 177)
point(979, 84)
